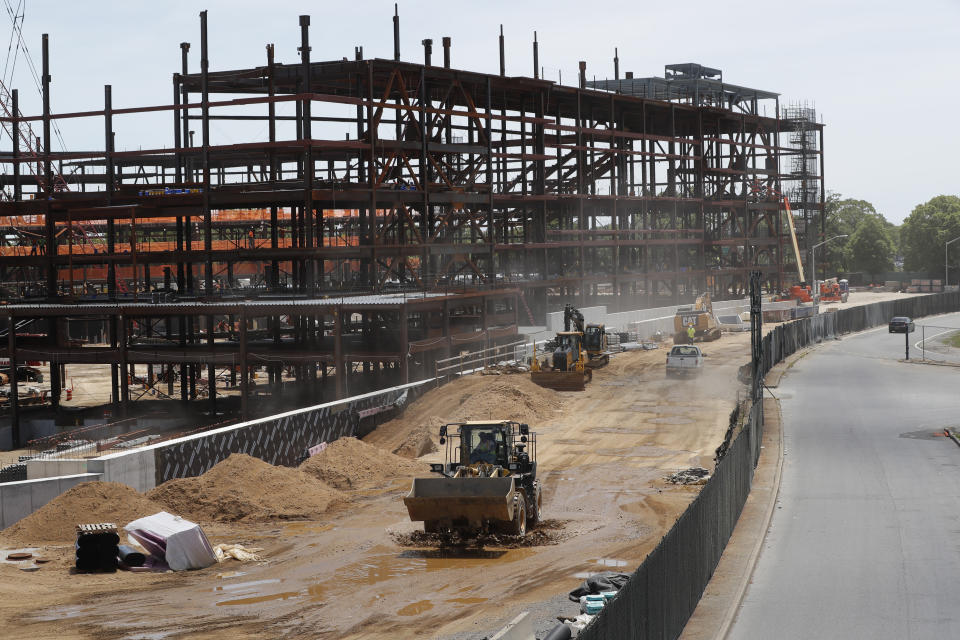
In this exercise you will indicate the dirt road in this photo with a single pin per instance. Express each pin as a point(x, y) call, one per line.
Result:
point(602, 455)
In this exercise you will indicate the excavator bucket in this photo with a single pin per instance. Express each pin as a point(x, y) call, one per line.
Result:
point(562, 380)
point(474, 500)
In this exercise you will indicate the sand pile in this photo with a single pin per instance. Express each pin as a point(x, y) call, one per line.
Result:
point(418, 443)
point(470, 398)
point(348, 463)
point(503, 399)
point(248, 489)
point(86, 503)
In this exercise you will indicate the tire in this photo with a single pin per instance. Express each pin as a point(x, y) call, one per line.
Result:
point(519, 516)
point(535, 514)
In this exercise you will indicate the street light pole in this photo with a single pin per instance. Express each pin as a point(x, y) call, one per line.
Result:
point(946, 264)
point(813, 264)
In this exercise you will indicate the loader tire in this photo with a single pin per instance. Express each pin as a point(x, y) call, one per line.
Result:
point(519, 516)
point(536, 510)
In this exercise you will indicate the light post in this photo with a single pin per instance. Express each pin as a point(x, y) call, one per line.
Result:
point(946, 265)
point(813, 264)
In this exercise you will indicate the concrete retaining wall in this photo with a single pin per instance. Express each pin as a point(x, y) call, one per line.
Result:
point(20, 499)
point(649, 320)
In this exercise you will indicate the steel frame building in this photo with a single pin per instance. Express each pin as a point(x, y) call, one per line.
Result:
point(501, 196)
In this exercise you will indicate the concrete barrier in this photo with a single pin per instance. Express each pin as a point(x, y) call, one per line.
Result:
point(20, 499)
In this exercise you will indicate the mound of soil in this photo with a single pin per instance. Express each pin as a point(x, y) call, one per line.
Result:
point(469, 398)
point(349, 463)
point(418, 443)
point(86, 503)
point(243, 488)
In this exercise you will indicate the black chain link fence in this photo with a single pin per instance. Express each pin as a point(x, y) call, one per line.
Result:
point(663, 592)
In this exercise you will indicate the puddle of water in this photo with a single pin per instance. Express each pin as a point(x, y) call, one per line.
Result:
point(611, 562)
point(247, 585)
point(231, 574)
point(317, 592)
point(468, 600)
point(387, 567)
point(258, 599)
point(615, 563)
point(415, 608)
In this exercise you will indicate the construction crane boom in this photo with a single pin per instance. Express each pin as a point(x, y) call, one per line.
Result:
point(793, 239)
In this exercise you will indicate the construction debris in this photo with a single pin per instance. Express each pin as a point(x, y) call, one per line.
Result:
point(505, 366)
point(237, 552)
point(693, 475)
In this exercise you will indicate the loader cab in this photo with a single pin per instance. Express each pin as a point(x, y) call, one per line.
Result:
point(508, 444)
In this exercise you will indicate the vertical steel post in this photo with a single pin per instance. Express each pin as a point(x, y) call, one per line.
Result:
point(15, 105)
point(427, 52)
point(14, 389)
point(205, 155)
point(51, 228)
point(185, 266)
point(308, 212)
point(446, 52)
point(536, 57)
point(503, 63)
point(396, 33)
point(272, 133)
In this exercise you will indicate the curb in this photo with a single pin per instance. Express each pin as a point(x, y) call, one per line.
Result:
point(731, 614)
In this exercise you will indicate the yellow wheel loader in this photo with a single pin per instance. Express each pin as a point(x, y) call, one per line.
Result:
point(488, 482)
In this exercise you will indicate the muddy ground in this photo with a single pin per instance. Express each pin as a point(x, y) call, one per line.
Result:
point(358, 572)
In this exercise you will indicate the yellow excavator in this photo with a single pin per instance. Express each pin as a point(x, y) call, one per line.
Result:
point(570, 366)
point(700, 317)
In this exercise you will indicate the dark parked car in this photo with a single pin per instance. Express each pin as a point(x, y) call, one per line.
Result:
point(902, 324)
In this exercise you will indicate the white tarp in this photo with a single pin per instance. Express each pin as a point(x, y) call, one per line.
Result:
point(181, 543)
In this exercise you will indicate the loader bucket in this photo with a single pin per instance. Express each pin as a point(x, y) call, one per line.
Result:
point(562, 380)
point(474, 500)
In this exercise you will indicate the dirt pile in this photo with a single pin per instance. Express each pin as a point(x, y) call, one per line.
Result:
point(348, 463)
point(86, 503)
point(418, 443)
point(512, 397)
point(243, 488)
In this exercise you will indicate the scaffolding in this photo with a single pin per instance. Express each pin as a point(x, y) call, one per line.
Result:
point(803, 182)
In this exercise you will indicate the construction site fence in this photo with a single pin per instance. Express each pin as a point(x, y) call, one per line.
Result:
point(663, 592)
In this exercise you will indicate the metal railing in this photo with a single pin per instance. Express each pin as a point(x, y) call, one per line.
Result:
point(468, 362)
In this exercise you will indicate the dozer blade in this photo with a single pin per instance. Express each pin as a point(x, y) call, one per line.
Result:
point(472, 499)
point(562, 380)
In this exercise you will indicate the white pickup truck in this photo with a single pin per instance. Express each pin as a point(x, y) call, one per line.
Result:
point(683, 360)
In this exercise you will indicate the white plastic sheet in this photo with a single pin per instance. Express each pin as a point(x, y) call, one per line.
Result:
point(180, 543)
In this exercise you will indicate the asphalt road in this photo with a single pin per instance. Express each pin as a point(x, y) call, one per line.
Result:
point(865, 540)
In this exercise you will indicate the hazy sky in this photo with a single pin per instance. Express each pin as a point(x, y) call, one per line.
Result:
point(882, 74)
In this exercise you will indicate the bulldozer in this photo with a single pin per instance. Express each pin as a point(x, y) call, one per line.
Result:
point(576, 351)
point(488, 482)
point(699, 316)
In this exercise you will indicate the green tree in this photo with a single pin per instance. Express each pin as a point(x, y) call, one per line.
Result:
point(870, 248)
point(925, 232)
point(843, 217)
